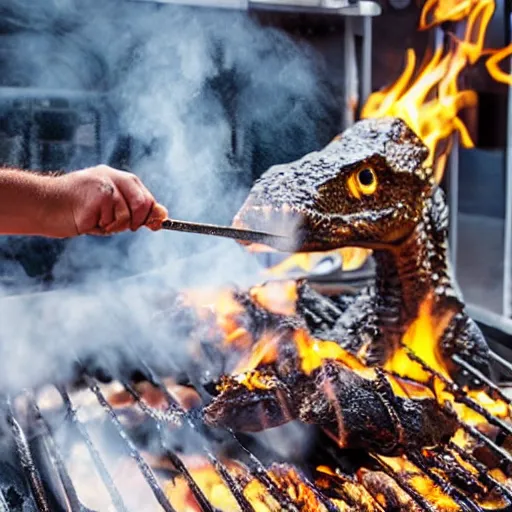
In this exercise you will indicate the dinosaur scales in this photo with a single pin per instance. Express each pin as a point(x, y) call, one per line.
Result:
point(369, 187)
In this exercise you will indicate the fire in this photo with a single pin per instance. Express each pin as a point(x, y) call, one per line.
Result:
point(422, 338)
point(429, 99)
point(217, 491)
point(279, 297)
point(436, 12)
point(478, 14)
point(209, 481)
point(221, 303)
point(264, 351)
point(352, 258)
point(494, 62)
point(373, 491)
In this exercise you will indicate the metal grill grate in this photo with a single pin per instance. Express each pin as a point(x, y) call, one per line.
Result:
point(465, 483)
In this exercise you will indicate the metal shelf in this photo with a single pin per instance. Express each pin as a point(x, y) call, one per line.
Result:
point(337, 7)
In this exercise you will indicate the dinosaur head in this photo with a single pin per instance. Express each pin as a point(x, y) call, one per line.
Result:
point(366, 188)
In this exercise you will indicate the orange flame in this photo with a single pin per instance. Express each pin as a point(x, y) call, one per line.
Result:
point(430, 99)
point(352, 258)
point(441, 11)
point(494, 62)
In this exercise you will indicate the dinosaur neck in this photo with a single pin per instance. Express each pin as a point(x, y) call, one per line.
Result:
point(416, 270)
point(403, 281)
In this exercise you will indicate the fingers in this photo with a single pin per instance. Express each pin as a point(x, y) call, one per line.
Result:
point(134, 207)
point(122, 214)
point(139, 200)
point(105, 201)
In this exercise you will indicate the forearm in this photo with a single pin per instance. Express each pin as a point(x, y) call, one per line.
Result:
point(94, 201)
point(26, 202)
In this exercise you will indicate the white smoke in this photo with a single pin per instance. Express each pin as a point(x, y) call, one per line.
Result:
point(176, 80)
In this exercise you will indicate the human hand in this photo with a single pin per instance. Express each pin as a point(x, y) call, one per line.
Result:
point(101, 201)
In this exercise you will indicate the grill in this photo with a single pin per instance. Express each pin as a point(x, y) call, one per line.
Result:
point(65, 443)
point(34, 427)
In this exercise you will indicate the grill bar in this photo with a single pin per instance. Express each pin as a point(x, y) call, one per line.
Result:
point(259, 472)
point(158, 416)
point(503, 362)
point(495, 391)
point(232, 484)
point(144, 468)
point(256, 467)
point(329, 506)
point(201, 499)
point(505, 456)
point(114, 493)
point(483, 472)
point(458, 497)
point(430, 462)
point(466, 481)
point(27, 463)
point(404, 485)
point(335, 460)
point(460, 395)
point(71, 494)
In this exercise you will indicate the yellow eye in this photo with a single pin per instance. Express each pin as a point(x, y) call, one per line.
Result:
point(363, 181)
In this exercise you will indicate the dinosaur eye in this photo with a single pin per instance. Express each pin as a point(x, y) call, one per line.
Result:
point(366, 177)
point(366, 181)
point(362, 182)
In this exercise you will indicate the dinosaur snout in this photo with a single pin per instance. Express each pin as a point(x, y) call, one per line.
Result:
point(277, 220)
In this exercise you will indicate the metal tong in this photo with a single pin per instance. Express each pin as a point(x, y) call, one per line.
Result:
point(282, 242)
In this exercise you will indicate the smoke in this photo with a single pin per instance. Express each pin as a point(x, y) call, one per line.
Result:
point(206, 97)
point(208, 100)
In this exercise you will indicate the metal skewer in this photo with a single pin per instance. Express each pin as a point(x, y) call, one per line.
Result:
point(246, 235)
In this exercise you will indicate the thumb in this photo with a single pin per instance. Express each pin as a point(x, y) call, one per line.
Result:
point(158, 214)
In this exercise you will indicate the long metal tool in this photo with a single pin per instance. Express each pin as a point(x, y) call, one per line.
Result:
point(277, 241)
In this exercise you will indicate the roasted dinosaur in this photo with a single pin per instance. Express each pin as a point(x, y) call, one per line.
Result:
point(369, 187)
point(357, 406)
